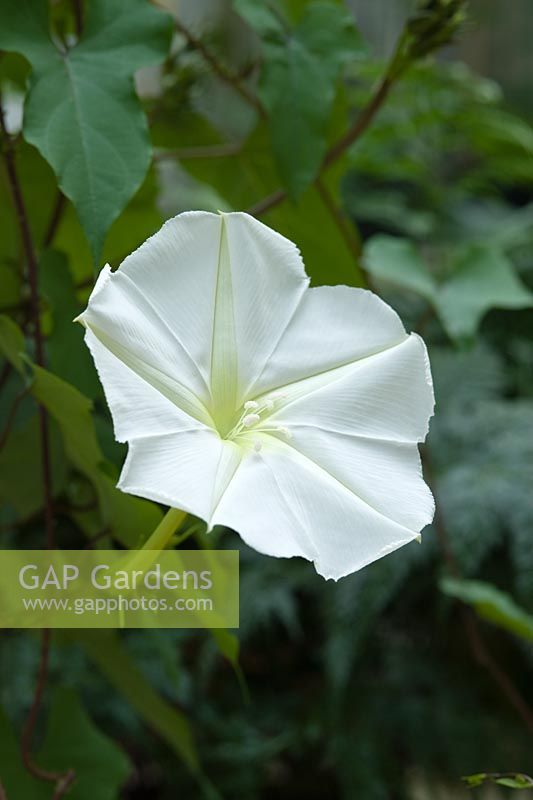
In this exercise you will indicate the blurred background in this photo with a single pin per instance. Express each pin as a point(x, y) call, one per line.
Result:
point(396, 681)
point(494, 43)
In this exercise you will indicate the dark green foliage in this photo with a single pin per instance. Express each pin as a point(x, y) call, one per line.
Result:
point(101, 765)
point(298, 86)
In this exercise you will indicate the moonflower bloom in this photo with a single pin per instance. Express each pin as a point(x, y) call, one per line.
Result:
point(287, 413)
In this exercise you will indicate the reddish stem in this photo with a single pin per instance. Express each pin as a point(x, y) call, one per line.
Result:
point(62, 780)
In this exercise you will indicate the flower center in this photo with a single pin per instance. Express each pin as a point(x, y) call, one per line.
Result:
point(254, 420)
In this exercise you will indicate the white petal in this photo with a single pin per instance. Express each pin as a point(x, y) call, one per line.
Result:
point(127, 325)
point(224, 286)
point(258, 507)
point(188, 470)
point(385, 475)
point(269, 282)
point(283, 504)
point(332, 326)
point(388, 395)
point(137, 408)
point(176, 271)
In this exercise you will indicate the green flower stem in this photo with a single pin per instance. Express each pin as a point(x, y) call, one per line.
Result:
point(144, 558)
point(165, 530)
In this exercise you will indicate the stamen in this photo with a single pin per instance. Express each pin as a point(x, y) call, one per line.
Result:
point(257, 445)
point(253, 413)
point(285, 431)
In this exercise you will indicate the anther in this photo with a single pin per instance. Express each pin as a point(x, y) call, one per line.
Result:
point(257, 445)
point(251, 405)
point(285, 431)
point(250, 419)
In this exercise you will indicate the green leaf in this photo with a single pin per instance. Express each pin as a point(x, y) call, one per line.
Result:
point(259, 16)
point(516, 782)
point(478, 779)
point(131, 519)
point(72, 412)
point(329, 32)
point(139, 220)
point(512, 780)
point(21, 472)
point(298, 87)
point(21, 486)
point(107, 652)
point(491, 604)
point(81, 111)
point(11, 342)
point(483, 278)
point(10, 281)
point(250, 175)
point(229, 646)
point(136, 223)
point(398, 261)
point(299, 116)
point(73, 742)
point(15, 778)
point(499, 127)
point(69, 357)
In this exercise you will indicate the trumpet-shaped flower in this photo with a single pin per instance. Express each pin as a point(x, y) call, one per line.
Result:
point(290, 414)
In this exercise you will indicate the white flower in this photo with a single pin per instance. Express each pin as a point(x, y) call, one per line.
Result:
point(290, 414)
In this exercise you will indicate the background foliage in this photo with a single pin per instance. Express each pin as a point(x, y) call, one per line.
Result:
point(411, 177)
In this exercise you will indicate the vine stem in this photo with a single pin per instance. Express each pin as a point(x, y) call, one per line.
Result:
point(222, 71)
point(336, 150)
point(3, 793)
point(33, 281)
point(31, 721)
point(55, 219)
point(62, 780)
point(361, 123)
point(280, 195)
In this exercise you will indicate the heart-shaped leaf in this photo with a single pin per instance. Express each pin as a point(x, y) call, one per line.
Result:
point(81, 111)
